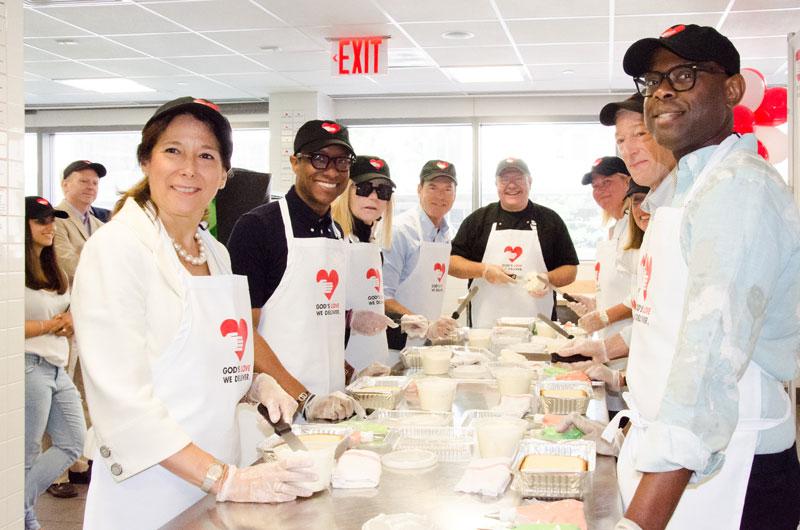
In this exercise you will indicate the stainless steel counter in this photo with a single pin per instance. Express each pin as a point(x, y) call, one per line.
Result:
point(430, 492)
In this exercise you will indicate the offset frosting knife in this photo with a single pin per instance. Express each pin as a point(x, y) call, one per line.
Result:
point(283, 429)
point(464, 302)
point(568, 297)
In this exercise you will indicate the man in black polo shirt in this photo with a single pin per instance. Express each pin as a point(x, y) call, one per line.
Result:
point(295, 261)
point(503, 245)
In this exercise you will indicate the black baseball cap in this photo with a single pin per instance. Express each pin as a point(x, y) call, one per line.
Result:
point(369, 167)
point(318, 134)
point(512, 163)
point(40, 208)
point(635, 188)
point(606, 166)
point(80, 165)
point(207, 109)
point(690, 41)
point(608, 114)
point(437, 168)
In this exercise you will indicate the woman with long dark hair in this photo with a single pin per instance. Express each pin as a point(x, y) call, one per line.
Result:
point(52, 403)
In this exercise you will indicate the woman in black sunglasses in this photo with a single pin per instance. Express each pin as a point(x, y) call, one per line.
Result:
point(364, 211)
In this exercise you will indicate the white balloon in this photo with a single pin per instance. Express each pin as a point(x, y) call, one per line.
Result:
point(754, 89)
point(776, 142)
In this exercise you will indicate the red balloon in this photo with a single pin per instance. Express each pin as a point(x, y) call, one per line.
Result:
point(743, 119)
point(762, 151)
point(772, 110)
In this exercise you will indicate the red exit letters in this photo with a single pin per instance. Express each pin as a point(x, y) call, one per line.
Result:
point(360, 55)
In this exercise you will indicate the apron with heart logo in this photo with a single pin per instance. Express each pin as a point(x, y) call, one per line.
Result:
point(518, 252)
point(365, 292)
point(303, 321)
point(199, 378)
point(423, 291)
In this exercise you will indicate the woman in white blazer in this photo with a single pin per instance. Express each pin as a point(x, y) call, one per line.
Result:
point(166, 341)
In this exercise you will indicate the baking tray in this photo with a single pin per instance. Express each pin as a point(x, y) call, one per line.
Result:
point(399, 419)
point(450, 444)
point(378, 399)
point(552, 405)
point(554, 484)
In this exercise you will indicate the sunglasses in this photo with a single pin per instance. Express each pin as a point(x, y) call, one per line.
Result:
point(365, 189)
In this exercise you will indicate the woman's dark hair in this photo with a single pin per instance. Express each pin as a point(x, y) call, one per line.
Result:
point(48, 275)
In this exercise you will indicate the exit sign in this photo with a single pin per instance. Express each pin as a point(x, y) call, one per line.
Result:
point(360, 55)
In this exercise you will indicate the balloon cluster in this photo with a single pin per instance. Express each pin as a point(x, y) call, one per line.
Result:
point(760, 111)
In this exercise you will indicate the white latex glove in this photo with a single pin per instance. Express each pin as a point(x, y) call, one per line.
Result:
point(592, 430)
point(370, 323)
point(601, 372)
point(596, 349)
point(415, 326)
point(375, 370)
point(592, 322)
point(441, 328)
point(336, 406)
point(272, 482)
point(495, 274)
point(535, 287)
point(626, 524)
point(267, 391)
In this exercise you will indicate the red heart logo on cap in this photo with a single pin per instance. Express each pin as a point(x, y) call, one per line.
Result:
point(510, 160)
point(43, 201)
point(332, 128)
point(377, 163)
point(231, 326)
point(207, 103)
point(441, 164)
point(331, 279)
point(375, 273)
point(440, 268)
point(669, 32)
point(516, 251)
point(597, 162)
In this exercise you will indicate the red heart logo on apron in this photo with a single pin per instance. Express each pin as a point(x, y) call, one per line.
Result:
point(231, 326)
point(377, 163)
point(647, 265)
point(375, 273)
point(516, 251)
point(440, 268)
point(332, 280)
point(332, 128)
point(597, 271)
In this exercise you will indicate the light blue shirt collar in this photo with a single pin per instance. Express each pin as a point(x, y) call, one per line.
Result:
point(429, 231)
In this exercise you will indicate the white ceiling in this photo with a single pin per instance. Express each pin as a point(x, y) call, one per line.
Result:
point(214, 48)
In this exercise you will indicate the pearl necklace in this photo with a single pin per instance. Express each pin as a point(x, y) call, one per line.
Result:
point(188, 258)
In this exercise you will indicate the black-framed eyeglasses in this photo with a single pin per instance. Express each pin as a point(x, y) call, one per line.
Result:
point(323, 161)
point(681, 78)
point(365, 189)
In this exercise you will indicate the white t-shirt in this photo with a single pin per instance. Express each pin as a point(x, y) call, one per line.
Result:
point(44, 305)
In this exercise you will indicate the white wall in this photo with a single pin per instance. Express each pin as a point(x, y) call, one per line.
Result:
point(12, 267)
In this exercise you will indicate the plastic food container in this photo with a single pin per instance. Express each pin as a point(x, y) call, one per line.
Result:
point(554, 484)
point(450, 444)
point(470, 416)
point(436, 393)
point(499, 437)
point(436, 360)
point(402, 420)
point(563, 405)
point(502, 337)
point(378, 392)
point(519, 322)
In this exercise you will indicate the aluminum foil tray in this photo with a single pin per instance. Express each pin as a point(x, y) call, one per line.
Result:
point(554, 484)
point(554, 405)
point(363, 390)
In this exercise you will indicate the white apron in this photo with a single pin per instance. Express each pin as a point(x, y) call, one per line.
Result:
point(518, 252)
point(303, 321)
point(717, 502)
point(423, 291)
point(365, 292)
point(613, 282)
point(200, 378)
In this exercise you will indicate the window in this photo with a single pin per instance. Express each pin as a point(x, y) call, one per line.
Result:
point(558, 154)
point(31, 164)
point(406, 148)
point(251, 149)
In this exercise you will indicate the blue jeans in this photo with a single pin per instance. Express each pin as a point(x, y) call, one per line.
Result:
point(52, 404)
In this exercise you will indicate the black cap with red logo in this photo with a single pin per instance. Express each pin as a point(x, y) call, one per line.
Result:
point(606, 166)
point(690, 41)
point(318, 134)
point(608, 114)
point(40, 208)
point(437, 168)
point(369, 167)
point(80, 165)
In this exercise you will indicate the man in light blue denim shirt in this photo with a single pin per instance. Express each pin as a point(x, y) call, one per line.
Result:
point(717, 312)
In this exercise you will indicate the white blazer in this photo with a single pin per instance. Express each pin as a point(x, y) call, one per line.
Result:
point(127, 304)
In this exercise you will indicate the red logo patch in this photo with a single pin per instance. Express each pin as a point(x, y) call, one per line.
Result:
point(647, 266)
point(441, 269)
point(375, 273)
point(441, 164)
point(510, 160)
point(669, 32)
point(331, 281)
point(597, 271)
point(377, 163)
point(207, 103)
point(42, 201)
point(597, 162)
point(330, 127)
point(231, 326)
point(512, 253)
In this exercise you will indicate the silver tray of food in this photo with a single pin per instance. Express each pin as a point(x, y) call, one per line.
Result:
point(554, 470)
point(450, 444)
point(563, 397)
point(383, 392)
point(400, 419)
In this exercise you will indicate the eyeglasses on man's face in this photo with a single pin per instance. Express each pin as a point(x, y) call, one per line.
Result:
point(323, 161)
point(681, 78)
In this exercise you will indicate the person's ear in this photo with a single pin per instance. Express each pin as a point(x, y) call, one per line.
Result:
point(734, 90)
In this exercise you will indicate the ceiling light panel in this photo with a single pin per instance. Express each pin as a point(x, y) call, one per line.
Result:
point(114, 85)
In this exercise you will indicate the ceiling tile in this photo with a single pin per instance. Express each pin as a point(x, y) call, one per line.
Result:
point(37, 24)
point(64, 70)
point(196, 86)
point(85, 48)
point(765, 23)
point(486, 34)
point(144, 67)
point(554, 31)
point(548, 8)
point(761, 47)
point(474, 56)
point(33, 54)
point(743, 5)
point(294, 61)
point(223, 64)
point(258, 84)
point(173, 45)
point(114, 19)
point(564, 53)
point(439, 10)
point(669, 7)
point(217, 14)
point(251, 41)
point(638, 27)
point(322, 33)
point(406, 76)
point(325, 78)
point(316, 13)
point(555, 71)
